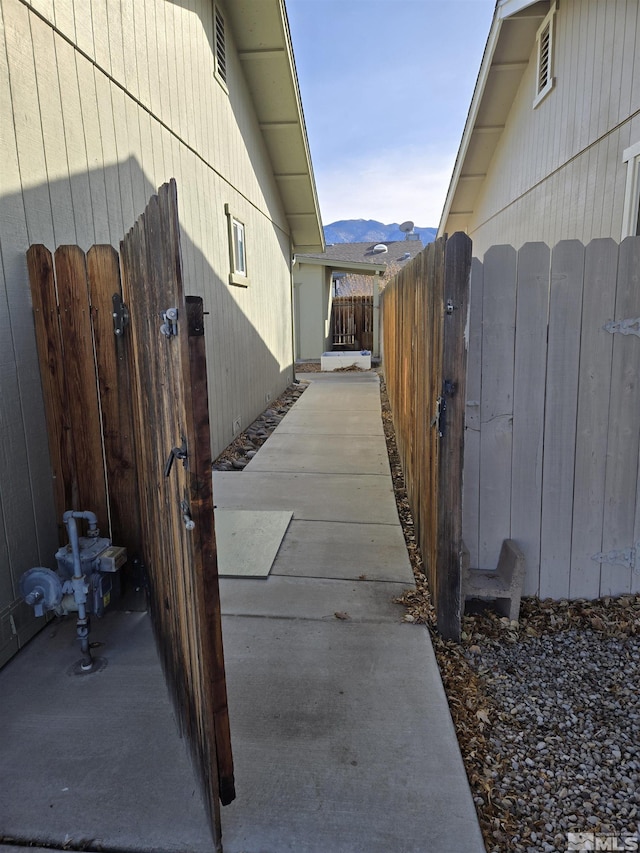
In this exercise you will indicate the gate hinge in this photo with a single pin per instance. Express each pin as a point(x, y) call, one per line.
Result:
point(169, 327)
point(622, 557)
point(120, 315)
point(624, 327)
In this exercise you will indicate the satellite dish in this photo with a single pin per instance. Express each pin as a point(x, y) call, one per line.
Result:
point(407, 227)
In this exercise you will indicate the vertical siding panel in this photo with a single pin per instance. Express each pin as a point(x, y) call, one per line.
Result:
point(18, 346)
point(601, 263)
point(129, 211)
point(635, 77)
point(565, 306)
point(107, 133)
point(65, 17)
point(608, 56)
point(100, 24)
point(532, 311)
point(95, 156)
point(75, 143)
point(116, 43)
point(155, 92)
point(125, 28)
point(140, 47)
point(84, 27)
point(496, 413)
point(615, 94)
point(623, 442)
point(45, 8)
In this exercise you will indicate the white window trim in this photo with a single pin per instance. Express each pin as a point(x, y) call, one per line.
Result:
point(217, 73)
point(238, 277)
point(551, 80)
point(631, 156)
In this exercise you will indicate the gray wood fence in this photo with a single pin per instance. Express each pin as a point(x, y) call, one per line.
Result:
point(553, 415)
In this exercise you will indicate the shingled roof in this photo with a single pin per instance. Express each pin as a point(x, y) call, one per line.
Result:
point(363, 253)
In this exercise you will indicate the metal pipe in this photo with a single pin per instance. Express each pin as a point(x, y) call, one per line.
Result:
point(77, 581)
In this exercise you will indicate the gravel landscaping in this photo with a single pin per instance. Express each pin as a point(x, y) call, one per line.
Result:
point(547, 711)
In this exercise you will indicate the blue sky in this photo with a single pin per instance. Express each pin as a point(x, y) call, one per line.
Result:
point(386, 86)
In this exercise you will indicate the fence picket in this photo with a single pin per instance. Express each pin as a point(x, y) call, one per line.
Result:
point(596, 350)
point(532, 310)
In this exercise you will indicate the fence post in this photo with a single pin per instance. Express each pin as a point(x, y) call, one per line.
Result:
point(451, 450)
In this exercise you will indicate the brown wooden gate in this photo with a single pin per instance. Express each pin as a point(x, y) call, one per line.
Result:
point(424, 317)
point(352, 322)
point(129, 439)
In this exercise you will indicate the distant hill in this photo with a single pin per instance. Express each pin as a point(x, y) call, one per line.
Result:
point(365, 230)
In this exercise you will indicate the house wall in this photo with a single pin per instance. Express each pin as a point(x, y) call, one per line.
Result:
point(312, 285)
point(557, 172)
point(101, 103)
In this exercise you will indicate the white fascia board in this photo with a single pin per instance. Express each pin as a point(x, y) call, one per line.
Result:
point(342, 266)
point(506, 8)
point(481, 82)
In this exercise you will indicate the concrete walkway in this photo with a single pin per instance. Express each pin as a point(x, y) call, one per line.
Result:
point(342, 735)
point(342, 738)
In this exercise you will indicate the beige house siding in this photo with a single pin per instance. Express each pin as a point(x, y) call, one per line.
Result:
point(557, 172)
point(312, 284)
point(101, 103)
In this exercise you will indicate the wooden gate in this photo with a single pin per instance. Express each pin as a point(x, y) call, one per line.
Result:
point(129, 439)
point(424, 318)
point(352, 322)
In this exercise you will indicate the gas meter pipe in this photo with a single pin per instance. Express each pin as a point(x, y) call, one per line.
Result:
point(78, 582)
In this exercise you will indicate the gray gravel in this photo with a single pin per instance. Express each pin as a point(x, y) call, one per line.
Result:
point(564, 734)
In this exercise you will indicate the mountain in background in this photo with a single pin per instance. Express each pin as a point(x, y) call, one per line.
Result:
point(369, 230)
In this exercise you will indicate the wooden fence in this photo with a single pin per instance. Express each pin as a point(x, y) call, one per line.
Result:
point(424, 310)
point(121, 399)
point(352, 322)
point(553, 415)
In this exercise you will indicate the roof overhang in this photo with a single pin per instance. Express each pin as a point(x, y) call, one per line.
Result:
point(261, 33)
point(506, 56)
point(343, 266)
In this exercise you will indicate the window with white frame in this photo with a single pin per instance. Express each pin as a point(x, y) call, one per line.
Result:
point(237, 249)
point(544, 71)
point(220, 58)
point(631, 212)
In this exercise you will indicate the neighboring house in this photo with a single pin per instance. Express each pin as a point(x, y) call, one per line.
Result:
point(101, 103)
point(340, 270)
point(551, 147)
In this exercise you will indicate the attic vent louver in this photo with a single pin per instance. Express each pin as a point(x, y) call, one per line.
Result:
point(379, 248)
point(545, 56)
point(544, 38)
point(221, 50)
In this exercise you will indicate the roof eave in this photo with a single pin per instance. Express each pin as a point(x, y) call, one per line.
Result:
point(343, 266)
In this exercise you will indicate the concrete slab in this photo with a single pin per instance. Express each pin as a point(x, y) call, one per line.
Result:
point(322, 422)
point(335, 549)
point(319, 454)
point(361, 398)
point(346, 745)
point(346, 378)
point(248, 540)
point(312, 598)
point(365, 499)
point(96, 760)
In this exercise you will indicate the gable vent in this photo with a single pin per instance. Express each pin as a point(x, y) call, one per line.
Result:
point(544, 62)
point(221, 51)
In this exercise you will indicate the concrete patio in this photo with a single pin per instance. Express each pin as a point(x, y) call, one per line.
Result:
point(342, 737)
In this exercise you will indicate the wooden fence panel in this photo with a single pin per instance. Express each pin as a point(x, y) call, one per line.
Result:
point(596, 351)
point(352, 321)
point(532, 317)
point(424, 367)
point(576, 406)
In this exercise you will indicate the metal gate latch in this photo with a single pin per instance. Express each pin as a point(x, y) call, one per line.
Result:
point(120, 315)
point(169, 328)
point(176, 453)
